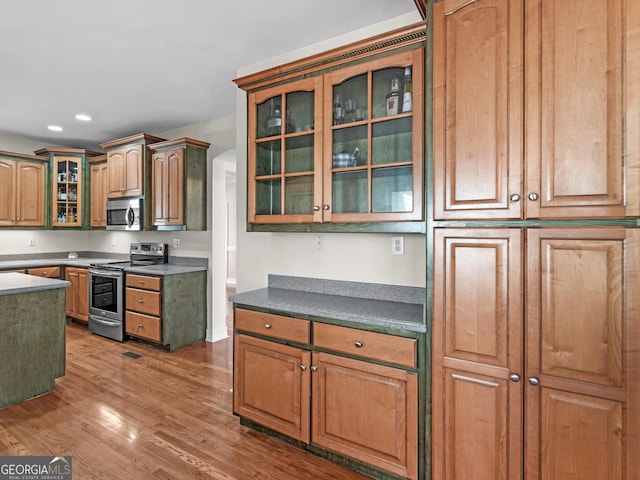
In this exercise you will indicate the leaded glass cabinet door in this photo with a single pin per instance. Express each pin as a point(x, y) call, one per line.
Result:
point(285, 153)
point(373, 149)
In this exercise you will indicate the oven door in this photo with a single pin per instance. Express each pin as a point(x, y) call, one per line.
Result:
point(105, 293)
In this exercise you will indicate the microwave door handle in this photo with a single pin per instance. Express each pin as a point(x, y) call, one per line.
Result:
point(130, 216)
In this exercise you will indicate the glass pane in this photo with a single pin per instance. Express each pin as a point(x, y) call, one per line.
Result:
point(299, 115)
point(392, 141)
point(350, 147)
point(268, 158)
point(268, 197)
point(350, 100)
point(350, 192)
point(387, 92)
point(299, 195)
point(299, 154)
point(392, 189)
point(269, 121)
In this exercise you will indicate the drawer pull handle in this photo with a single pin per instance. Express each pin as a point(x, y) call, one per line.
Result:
point(140, 325)
point(267, 326)
point(140, 300)
point(358, 344)
point(141, 282)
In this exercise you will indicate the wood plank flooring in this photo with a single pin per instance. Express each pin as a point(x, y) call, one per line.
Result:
point(162, 416)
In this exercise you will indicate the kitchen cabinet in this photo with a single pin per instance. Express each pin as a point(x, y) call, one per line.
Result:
point(535, 115)
point(179, 185)
point(78, 293)
point(169, 310)
point(533, 356)
point(99, 190)
point(46, 272)
point(324, 391)
point(68, 177)
point(22, 190)
point(129, 165)
point(335, 147)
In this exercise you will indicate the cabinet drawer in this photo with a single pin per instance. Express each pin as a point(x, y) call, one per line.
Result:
point(276, 326)
point(143, 301)
point(143, 326)
point(377, 346)
point(146, 283)
point(48, 272)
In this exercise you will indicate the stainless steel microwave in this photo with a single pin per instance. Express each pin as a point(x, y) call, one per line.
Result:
point(125, 213)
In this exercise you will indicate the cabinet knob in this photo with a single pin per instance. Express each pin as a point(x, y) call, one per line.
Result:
point(303, 368)
point(358, 344)
point(139, 325)
point(316, 208)
point(140, 300)
point(514, 377)
point(533, 196)
point(325, 207)
point(267, 326)
point(514, 197)
point(314, 368)
point(534, 381)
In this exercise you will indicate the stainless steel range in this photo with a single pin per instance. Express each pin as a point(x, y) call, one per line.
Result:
point(106, 288)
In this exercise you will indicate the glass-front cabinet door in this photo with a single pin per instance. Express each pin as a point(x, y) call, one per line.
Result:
point(373, 148)
point(285, 153)
point(67, 192)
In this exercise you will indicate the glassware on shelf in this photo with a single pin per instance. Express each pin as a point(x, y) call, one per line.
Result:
point(407, 100)
point(393, 97)
point(338, 110)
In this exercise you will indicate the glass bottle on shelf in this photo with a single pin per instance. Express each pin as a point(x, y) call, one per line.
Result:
point(274, 125)
point(393, 97)
point(338, 110)
point(407, 100)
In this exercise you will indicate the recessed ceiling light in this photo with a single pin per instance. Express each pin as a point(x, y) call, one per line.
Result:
point(83, 117)
point(55, 128)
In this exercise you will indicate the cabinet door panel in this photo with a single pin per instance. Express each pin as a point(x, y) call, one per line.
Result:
point(366, 411)
point(115, 161)
point(582, 339)
point(575, 91)
point(30, 201)
point(477, 348)
point(7, 192)
point(175, 192)
point(477, 108)
point(270, 387)
point(133, 179)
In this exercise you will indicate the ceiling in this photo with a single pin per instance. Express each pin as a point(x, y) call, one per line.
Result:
point(149, 65)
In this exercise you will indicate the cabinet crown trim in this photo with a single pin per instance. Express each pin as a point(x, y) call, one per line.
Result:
point(394, 39)
point(138, 138)
point(21, 156)
point(180, 142)
point(66, 151)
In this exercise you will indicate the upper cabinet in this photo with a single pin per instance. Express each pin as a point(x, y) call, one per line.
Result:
point(129, 167)
point(341, 143)
point(539, 117)
point(69, 196)
point(22, 190)
point(99, 190)
point(179, 184)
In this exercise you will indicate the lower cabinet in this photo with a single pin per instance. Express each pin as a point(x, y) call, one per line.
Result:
point(169, 310)
point(535, 366)
point(47, 272)
point(77, 293)
point(318, 394)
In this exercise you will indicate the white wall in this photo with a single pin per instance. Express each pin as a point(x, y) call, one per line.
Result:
point(355, 257)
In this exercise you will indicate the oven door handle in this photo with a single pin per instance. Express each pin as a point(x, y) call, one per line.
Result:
point(106, 322)
point(105, 273)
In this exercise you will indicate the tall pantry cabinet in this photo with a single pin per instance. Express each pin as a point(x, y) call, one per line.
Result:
point(536, 245)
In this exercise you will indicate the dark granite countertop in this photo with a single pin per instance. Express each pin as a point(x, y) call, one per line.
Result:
point(12, 283)
point(390, 306)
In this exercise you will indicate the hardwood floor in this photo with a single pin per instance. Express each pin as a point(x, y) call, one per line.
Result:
point(161, 416)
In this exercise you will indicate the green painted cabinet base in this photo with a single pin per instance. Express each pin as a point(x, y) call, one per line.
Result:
point(32, 344)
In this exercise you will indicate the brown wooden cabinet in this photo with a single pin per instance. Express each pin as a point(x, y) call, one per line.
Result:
point(535, 109)
point(77, 293)
point(22, 190)
point(129, 168)
point(336, 146)
point(46, 272)
point(179, 173)
point(99, 191)
point(143, 299)
point(536, 351)
point(324, 398)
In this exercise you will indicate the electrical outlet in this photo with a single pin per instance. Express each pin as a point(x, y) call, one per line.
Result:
point(31, 242)
point(317, 242)
point(397, 245)
point(176, 243)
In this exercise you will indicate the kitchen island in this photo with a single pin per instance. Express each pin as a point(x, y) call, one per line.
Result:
point(32, 344)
